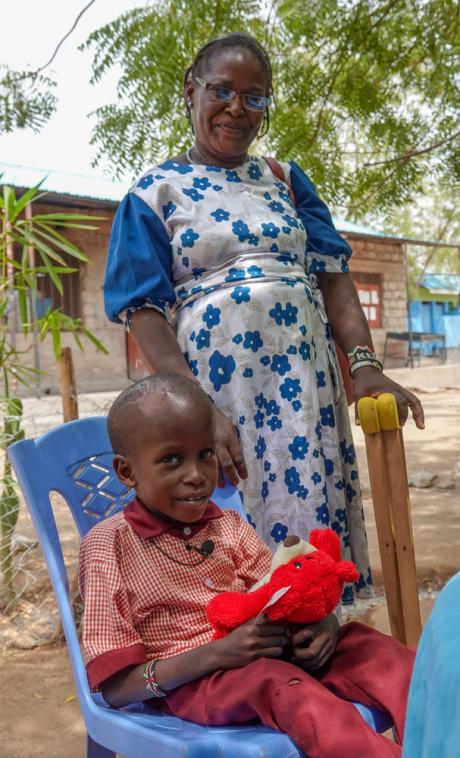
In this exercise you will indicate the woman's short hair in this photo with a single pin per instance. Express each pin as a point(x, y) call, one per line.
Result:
point(232, 40)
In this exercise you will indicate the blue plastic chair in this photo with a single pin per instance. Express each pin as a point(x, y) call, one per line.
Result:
point(75, 459)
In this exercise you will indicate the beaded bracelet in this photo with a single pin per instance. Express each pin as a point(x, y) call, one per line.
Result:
point(151, 684)
point(373, 363)
point(360, 353)
point(361, 356)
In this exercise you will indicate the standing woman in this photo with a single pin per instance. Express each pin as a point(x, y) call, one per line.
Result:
point(231, 276)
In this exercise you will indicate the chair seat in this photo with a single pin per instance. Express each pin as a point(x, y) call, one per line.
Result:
point(236, 741)
point(196, 741)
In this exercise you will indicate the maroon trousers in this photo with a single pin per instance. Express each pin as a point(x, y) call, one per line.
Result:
point(314, 710)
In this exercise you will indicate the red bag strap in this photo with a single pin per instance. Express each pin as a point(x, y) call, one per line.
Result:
point(277, 170)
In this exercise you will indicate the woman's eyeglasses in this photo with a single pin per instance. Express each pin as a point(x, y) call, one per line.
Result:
point(224, 95)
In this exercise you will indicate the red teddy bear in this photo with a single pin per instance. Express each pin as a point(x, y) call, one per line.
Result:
point(305, 589)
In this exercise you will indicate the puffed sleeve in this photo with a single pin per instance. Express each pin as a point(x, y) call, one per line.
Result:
point(109, 640)
point(326, 249)
point(138, 270)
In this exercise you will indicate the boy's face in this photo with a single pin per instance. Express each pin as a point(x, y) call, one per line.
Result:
point(173, 467)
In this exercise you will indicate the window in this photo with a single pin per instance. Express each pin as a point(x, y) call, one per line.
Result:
point(369, 290)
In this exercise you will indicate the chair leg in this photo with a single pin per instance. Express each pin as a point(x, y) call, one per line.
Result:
point(94, 750)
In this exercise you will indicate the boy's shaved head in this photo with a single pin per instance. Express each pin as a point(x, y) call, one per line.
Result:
point(131, 412)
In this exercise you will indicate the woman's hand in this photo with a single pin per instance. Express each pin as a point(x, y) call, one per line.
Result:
point(368, 381)
point(350, 328)
point(257, 638)
point(314, 644)
point(229, 452)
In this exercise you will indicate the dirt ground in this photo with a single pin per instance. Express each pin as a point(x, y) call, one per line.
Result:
point(39, 715)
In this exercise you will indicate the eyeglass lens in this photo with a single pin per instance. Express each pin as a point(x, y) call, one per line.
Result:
point(254, 102)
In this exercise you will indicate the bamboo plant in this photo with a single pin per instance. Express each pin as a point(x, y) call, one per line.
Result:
point(22, 232)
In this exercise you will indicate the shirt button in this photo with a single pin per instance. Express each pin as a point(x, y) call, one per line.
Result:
point(186, 531)
point(208, 582)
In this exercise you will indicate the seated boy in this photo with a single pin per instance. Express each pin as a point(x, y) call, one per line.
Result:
point(147, 575)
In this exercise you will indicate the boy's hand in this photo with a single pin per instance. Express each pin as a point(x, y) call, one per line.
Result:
point(257, 638)
point(314, 644)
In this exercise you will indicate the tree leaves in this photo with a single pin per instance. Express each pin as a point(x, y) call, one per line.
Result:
point(26, 100)
point(367, 91)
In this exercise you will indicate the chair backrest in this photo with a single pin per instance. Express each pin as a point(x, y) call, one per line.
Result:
point(53, 462)
point(75, 459)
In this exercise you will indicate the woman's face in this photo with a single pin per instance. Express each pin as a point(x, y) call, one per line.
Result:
point(225, 130)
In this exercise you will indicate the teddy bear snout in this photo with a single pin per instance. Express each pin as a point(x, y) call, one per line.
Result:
point(291, 541)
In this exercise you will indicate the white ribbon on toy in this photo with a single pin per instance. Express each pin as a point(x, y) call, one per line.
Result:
point(274, 599)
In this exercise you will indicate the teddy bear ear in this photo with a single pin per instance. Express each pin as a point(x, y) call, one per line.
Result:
point(327, 541)
point(347, 571)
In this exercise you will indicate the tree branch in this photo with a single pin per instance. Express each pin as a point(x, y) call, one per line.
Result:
point(385, 13)
point(23, 75)
point(433, 250)
point(412, 153)
point(376, 189)
point(60, 43)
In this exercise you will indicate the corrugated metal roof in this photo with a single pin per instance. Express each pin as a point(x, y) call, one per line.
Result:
point(441, 283)
point(351, 228)
point(62, 182)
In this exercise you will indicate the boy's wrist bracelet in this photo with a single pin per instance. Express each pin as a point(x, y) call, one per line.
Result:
point(151, 684)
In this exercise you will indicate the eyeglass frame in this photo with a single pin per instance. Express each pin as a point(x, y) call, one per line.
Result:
point(210, 87)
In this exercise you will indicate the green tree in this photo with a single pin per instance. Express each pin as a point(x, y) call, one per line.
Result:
point(26, 100)
point(367, 91)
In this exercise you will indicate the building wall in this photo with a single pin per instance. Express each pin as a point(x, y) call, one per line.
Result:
point(387, 258)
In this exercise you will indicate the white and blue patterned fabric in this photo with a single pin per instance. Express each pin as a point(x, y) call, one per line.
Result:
point(230, 261)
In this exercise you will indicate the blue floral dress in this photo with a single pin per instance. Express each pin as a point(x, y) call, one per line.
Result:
point(230, 261)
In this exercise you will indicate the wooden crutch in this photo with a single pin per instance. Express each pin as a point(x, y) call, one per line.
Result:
point(390, 494)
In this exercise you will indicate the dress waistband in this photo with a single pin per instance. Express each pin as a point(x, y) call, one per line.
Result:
point(258, 268)
point(262, 265)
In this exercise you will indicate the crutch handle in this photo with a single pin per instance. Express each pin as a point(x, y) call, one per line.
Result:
point(378, 413)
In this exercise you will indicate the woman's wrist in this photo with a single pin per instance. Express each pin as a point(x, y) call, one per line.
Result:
point(367, 369)
point(360, 357)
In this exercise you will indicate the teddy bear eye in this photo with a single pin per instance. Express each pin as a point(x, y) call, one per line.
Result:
point(298, 565)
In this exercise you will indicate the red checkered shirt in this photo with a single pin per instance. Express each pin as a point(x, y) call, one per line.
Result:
point(139, 604)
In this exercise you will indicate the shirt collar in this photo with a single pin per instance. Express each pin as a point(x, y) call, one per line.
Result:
point(147, 524)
